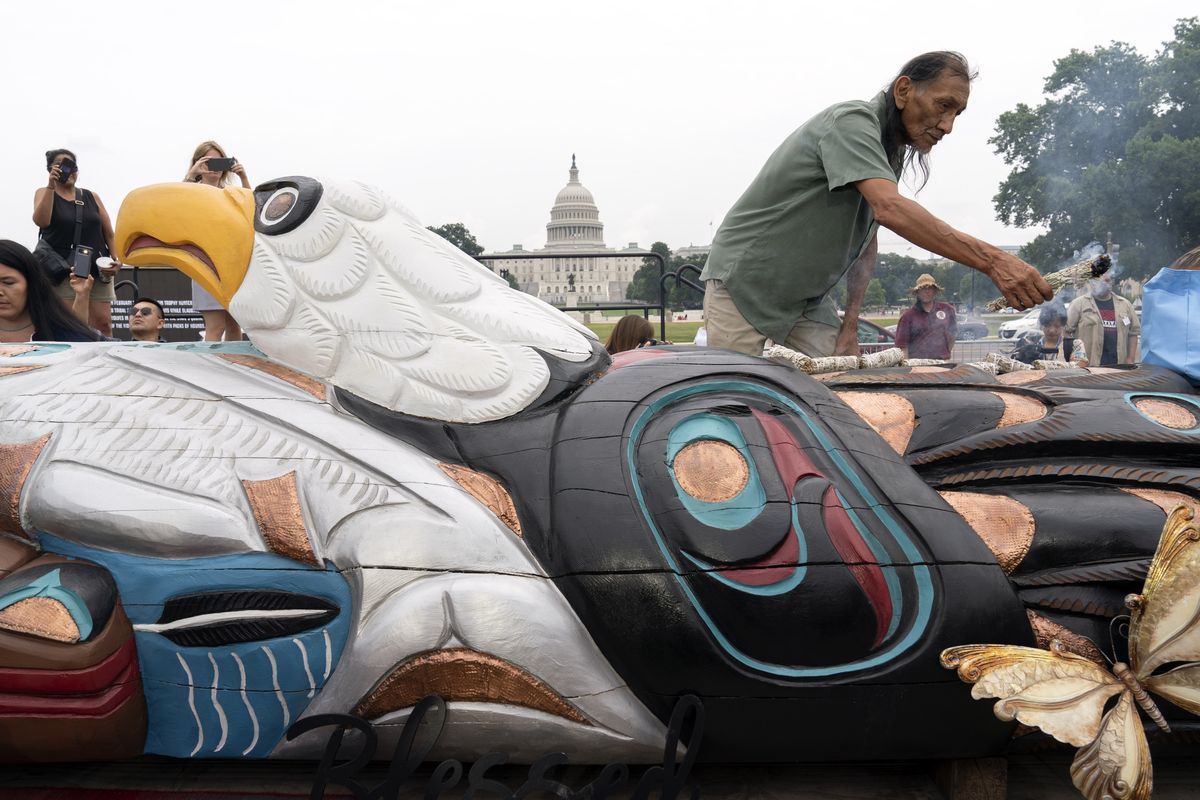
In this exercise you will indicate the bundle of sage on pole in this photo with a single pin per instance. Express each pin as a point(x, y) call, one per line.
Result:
point(1073, 275)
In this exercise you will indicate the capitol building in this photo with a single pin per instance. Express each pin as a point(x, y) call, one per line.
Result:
point(569, 279)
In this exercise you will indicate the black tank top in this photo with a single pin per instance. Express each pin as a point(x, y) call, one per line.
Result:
point(60, 233)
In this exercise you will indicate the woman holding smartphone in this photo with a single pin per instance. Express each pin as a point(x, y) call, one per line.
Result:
point(54, 212)
point(212, 167)
point(29, 311)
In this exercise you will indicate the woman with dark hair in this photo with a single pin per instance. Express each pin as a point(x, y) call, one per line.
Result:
point(55, 212)
point(813, 213)
point(630, 333)
point(1055, 346)
point(29, 309)
point(1049, 343)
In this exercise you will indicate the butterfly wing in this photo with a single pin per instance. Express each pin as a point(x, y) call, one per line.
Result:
point(1165, 623)
point(1117, 763)
point(1057, 691)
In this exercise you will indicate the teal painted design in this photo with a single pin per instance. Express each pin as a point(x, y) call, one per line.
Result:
point(50, 585)
point(1132, 397)
point(736, 512)
point(43, 349)
point(920, 571)
point(216, 348)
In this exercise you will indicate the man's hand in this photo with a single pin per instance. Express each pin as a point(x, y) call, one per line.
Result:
point(847, 339)
point(1022, 286)
point(1020, 283)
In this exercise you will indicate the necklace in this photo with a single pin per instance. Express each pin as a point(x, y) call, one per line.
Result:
point(14, 330)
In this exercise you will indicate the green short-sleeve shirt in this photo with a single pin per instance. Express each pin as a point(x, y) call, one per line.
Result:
point(799, 226)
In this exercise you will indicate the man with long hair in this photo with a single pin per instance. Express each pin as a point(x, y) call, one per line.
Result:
point(813, 213)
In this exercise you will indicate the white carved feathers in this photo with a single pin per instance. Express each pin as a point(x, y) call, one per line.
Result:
point(364, 297)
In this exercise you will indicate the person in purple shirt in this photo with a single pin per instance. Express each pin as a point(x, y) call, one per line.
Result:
point(929, 328)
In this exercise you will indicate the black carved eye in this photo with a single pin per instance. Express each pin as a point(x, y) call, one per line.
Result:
point(282, 205)
point(215, 619)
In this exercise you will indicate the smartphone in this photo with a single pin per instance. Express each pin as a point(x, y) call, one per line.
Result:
point(81, 262)
point(220, 164)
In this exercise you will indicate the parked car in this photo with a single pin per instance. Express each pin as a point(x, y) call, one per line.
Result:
point(971, 329)
point(1015, 327)
point(872, 338)
point(968, 330)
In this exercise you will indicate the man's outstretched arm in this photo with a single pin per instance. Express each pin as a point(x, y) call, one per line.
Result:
point(857, 279)
point(1020, 283)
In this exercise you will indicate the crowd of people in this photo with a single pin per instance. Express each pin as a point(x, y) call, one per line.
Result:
point(63, 289)
point(809, 219)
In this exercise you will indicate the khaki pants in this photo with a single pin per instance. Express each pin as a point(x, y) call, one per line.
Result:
point(101, 292)
point(727, 328)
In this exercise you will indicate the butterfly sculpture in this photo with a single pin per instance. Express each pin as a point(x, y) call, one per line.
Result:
point(1065, 694)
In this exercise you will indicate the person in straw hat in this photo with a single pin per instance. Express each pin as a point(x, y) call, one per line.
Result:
point(928, 329)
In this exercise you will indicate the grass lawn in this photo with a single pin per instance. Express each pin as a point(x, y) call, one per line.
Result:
point(677, 332)
point(684, 332)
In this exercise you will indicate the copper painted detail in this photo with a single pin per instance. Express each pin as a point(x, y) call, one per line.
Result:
point(488, 491)
point(1005, 525)
point(297, 379)
point(275, 503)
point(1164, 499)
point(1045, 631)
point(16, 350)
point(15, 462)
point(927, 369)
point(711, 471)
point(18, 370)
point(1167, 413)
point(1019, 409)
point(40, 616)
point(1024, 376)
point(892, 416)
point(464, 675)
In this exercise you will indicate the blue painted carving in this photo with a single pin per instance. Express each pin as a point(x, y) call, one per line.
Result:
point(736, 512)
point(234, 699)
point(911, 563)
point(50, 585)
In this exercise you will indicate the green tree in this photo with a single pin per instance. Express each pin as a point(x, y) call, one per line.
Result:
point(508, 276)
point(949, 275)
point(1114, 146)
point(875, 297)
point(681, 295)
point(984, 289)
point(644, 286)
point(897, 274)
point(460, 236)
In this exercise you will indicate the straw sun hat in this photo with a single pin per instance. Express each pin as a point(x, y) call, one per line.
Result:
point(925, 280)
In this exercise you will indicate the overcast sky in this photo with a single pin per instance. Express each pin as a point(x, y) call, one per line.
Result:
point(470, 111)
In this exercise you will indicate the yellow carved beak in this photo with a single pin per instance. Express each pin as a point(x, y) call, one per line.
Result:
point(204, 232)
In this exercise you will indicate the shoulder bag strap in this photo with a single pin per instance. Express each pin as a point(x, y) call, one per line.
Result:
point(80, 194)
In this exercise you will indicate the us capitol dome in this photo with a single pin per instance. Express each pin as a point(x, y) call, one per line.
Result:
point(570, 280)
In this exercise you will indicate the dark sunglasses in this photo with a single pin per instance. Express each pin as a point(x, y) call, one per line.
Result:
point(144, 311)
